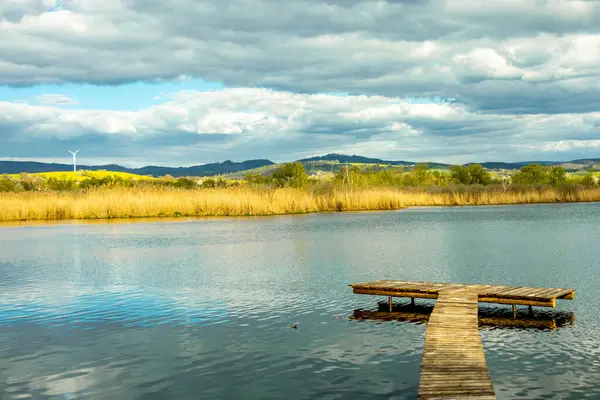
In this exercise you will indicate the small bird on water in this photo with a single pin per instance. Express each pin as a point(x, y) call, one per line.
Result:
point(295, 326)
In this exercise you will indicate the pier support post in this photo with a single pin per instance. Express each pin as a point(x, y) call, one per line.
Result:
point(412, 301)
point(514, 311)
point(390, 303)
point(530, 310)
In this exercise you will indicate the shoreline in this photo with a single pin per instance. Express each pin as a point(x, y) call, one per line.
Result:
point(193, 218)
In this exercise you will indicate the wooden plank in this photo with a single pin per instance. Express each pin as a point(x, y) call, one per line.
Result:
point(543, 297)
point(500, 289)
point(556, 293)
point(546, 293)
point(369, 284)
point(569, 295)
point(396, 293)
point(453, 363)
point(525, 302)
point(523, 291)
point(541, 293)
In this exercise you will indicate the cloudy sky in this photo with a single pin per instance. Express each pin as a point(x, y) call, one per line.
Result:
point(185, 82)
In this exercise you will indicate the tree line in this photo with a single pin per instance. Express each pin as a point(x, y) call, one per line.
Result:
point(25, 182)
point(295, 175)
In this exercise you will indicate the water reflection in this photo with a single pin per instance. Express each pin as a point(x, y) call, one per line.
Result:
point(203, 308)
point(489, 316)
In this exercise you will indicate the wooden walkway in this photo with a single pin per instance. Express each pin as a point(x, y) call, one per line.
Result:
point(454, 364)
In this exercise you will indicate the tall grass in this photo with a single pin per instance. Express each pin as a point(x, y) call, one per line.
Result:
point(122, 202)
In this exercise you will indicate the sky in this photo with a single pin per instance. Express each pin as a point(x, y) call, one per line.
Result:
point(187, 82)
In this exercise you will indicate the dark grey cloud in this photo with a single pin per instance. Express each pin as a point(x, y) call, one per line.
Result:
point(513, 57)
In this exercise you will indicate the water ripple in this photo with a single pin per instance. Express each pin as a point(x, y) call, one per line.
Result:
point(205, 309)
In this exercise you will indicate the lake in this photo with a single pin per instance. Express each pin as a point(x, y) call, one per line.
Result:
point(203, 308)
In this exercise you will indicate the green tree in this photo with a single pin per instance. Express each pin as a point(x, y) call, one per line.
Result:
point(90, 182)
point(185, 183)
point(421, 173)
point(460, 174)
point(209, 183)
point(478, 174)
point(531, 174)
point(557, 175)
point(588, 180)
point(351, 175)
point(221, 183)
point(7, 184)
point(440, 178)
point(257, 179)
point(291, 174)
point(60, 184)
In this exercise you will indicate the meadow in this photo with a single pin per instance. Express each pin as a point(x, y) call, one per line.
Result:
point(137, 202)
point(55, 196)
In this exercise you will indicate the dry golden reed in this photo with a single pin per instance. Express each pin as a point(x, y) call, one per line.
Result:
point(121, 202)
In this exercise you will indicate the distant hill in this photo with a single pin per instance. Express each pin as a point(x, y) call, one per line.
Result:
point(311, 167)
point(212, 169)
point(328, 163)
point(332, 163)
point(343, 158)
point(569, 165)
point(502, 165)
point(225, 167)
point(586, 161)
point(353, 159)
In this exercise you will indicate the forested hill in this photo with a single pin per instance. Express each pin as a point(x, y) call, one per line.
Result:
point(354, 159)
point(225, 167)
point(231, 167)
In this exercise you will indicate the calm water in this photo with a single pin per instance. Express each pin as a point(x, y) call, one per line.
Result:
point(203, 309)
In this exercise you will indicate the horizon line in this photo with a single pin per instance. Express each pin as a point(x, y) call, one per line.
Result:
point(305, 159)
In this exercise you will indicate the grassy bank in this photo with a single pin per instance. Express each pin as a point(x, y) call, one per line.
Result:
point(126, 202)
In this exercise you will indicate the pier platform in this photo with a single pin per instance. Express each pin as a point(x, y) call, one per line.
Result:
point(454, 364)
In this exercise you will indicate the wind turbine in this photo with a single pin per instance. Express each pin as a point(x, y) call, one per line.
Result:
point(74, 159)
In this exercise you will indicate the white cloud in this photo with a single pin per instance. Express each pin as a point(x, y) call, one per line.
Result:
point(195, 126)
point(56, 99)
point(566, 145)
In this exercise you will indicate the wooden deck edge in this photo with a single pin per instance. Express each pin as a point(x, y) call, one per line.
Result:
point(421, 295)
point(482, 298)
point(521, 301)
point(568, 296)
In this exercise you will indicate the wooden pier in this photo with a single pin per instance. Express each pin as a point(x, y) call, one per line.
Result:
point(454, 364)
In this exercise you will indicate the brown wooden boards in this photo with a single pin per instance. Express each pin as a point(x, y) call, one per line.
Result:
point(530, 296)
point(453, 364)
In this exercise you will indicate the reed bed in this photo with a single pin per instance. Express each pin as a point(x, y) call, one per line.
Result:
point(122, 202)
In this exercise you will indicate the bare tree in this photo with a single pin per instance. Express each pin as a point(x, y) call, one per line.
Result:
point(506, 181)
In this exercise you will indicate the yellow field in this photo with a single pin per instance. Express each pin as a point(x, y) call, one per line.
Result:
point(122, 202)
point(583, 173)
point(81, 175)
